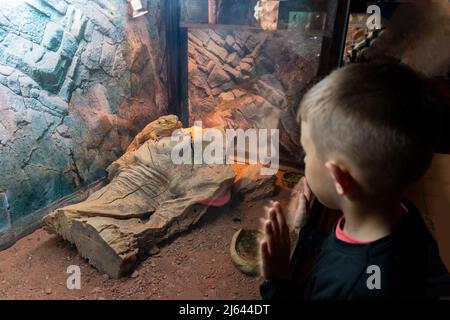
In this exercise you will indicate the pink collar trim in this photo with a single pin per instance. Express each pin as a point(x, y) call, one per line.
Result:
point(340, 235)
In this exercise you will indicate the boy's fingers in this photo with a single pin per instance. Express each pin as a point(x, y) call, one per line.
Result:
point(264, 253)
point(283, 239)
point(280, 219)
point(274, 222)
point(283, 227)
point(280, 213)
point(277, 206)
point(269, 235)
point(264, 250)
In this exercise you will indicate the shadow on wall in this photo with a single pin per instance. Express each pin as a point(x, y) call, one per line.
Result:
point(78, 79)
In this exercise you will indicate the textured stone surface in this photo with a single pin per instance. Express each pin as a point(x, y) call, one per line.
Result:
point(52, 36)
point(148, 200)
point(75, 22)
point(67, 108)
point(254, 80)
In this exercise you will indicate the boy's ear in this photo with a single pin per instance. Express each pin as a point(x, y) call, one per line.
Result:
point(340, 176)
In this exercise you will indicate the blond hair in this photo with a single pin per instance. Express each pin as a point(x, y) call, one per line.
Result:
point(380, 116)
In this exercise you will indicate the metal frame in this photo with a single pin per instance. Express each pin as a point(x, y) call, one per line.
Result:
point(176, 60)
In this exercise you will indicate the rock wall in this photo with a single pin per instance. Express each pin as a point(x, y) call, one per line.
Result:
point(251, 79)
point(78, 79)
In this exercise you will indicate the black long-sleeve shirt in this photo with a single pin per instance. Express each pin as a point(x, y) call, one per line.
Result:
point(405, 264)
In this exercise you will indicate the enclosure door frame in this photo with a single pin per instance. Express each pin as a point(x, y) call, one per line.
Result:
point(176, 53)
point(177, 81)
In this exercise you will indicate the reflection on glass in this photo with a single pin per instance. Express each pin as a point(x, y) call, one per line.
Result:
point(250, 71)
point(259, 14)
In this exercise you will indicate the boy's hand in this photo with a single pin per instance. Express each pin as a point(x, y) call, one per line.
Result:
point(275, 248)
point(298, 207)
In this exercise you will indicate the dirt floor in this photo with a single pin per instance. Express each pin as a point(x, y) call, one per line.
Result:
point(195, 265)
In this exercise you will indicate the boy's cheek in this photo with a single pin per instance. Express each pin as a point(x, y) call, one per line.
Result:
point(320, 185)
point(313, 181)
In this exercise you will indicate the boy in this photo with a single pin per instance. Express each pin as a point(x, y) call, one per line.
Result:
point(368, 132)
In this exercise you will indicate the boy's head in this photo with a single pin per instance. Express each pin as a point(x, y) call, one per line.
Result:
point(368, 130)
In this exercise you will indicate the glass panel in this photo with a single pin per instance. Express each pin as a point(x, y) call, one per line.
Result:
point(258, 14)
point(243, 74)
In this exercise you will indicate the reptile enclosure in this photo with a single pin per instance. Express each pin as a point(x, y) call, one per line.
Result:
point(92, 93)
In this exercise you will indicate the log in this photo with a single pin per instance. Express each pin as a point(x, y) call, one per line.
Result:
point(148, 200)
